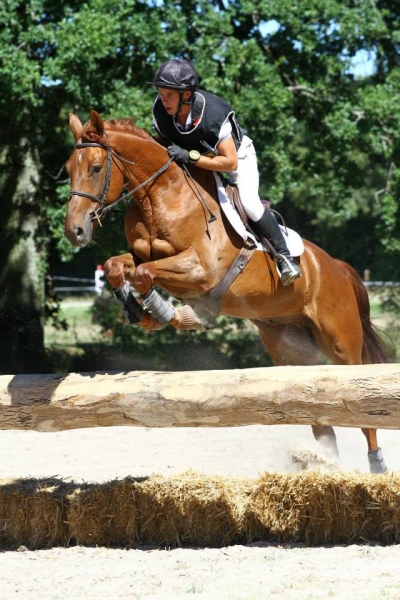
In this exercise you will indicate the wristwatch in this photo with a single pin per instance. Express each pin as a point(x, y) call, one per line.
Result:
point(194, 156)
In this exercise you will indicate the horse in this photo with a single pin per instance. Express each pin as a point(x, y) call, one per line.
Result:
point(181, 242)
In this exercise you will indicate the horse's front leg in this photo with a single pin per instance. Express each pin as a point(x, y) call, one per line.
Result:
point(155, 312)
point(182, 271)
point(119, 270)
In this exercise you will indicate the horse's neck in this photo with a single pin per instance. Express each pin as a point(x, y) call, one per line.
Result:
point(137, 150)
point(146, 157)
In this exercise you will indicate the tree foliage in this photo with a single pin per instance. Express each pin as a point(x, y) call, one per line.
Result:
point(327, 138)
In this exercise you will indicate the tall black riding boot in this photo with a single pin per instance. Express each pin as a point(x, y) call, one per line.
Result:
point(287, 268)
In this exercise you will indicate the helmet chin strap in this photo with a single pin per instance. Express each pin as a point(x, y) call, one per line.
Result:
point(183, 102)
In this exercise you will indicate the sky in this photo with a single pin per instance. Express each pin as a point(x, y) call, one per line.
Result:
point(362, 63)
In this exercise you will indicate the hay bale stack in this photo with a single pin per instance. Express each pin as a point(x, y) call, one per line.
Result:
point(311, 507)
point(192, 510)
point(104, 514)
point(185, 510)
point(319, 508)
point(33, 513)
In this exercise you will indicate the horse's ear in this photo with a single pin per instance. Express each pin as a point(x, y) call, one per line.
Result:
point(97, 122)
point(75, 125)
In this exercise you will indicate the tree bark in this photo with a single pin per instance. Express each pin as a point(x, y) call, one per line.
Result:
point(349, 396)
point(21, 279)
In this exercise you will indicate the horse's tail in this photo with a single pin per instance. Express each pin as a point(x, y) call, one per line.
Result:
point(374, 349)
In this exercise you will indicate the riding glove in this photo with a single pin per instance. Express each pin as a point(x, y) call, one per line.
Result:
point(180, 155)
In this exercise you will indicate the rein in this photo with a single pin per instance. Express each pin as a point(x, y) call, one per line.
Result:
point(102, 196)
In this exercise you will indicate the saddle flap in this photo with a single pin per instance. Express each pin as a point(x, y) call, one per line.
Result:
point(229, 199)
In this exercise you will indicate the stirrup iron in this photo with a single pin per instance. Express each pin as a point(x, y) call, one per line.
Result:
point(289, 277)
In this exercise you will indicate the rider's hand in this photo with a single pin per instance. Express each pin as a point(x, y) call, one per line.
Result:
point(180, 155)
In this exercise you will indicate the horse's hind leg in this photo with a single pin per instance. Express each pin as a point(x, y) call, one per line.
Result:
point(289, 344)
point(326, 436)
point(375, 457)
point(341, 339)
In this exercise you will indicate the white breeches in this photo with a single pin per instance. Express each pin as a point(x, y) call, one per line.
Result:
point(247, 179)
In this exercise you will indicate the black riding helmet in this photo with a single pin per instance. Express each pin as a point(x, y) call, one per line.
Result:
point(176, 74)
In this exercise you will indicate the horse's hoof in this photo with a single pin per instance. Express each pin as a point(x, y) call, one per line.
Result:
point(376, 461)
point(185, 318)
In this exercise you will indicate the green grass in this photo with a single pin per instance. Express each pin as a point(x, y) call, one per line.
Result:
point(376, 308)
point(78, 315)
point(77, 312)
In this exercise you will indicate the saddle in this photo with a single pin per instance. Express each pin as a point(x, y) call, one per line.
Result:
point(232, 193)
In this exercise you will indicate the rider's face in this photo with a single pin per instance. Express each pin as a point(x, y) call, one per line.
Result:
point(170, 99)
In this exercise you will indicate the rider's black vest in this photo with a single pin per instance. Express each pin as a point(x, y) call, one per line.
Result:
point(209, 113)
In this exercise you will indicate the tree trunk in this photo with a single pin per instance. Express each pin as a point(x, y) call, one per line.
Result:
point(350, 396)
point(21, 279)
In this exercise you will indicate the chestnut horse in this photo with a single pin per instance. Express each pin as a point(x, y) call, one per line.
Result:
point(180, 241)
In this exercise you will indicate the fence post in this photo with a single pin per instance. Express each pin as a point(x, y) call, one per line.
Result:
point(99, 282)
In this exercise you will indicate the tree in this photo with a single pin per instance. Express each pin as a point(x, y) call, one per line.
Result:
point(335, 166)
point(327, 141)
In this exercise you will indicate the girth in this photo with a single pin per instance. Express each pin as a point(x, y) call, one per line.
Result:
point(209, 305)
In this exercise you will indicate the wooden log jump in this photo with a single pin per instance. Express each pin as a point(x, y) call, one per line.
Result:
point(347, 396)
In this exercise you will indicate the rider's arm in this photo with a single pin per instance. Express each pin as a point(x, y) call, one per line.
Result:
point(225, 160)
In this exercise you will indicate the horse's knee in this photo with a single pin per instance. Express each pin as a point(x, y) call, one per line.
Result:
point(119, 269)
point(114, 272)
point(143, 279)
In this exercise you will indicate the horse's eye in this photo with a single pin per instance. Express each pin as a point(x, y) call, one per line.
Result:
point(96, 168)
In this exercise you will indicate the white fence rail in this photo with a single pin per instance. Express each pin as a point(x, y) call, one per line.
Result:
point(378, 284)
point(96, 284)
point(382, 284)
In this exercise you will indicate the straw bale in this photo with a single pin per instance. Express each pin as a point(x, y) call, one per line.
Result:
point(33, 513)
point(319, 508)
point(104, 514)
point(192, 510)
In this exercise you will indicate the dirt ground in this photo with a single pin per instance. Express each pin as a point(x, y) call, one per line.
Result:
point(236, 573)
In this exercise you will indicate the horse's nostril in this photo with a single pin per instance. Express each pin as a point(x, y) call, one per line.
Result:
point(80, 234)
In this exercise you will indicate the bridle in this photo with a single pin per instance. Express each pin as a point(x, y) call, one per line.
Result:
point(101, 198)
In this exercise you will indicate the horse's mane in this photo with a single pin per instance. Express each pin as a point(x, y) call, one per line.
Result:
point(126, 124)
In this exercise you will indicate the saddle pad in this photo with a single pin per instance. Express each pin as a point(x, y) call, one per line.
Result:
point(292, 238)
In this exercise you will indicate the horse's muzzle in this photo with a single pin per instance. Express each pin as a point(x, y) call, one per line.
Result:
point(78, 236)
point(78, 226)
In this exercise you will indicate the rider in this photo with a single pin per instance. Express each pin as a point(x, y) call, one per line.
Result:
point(204, 131)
